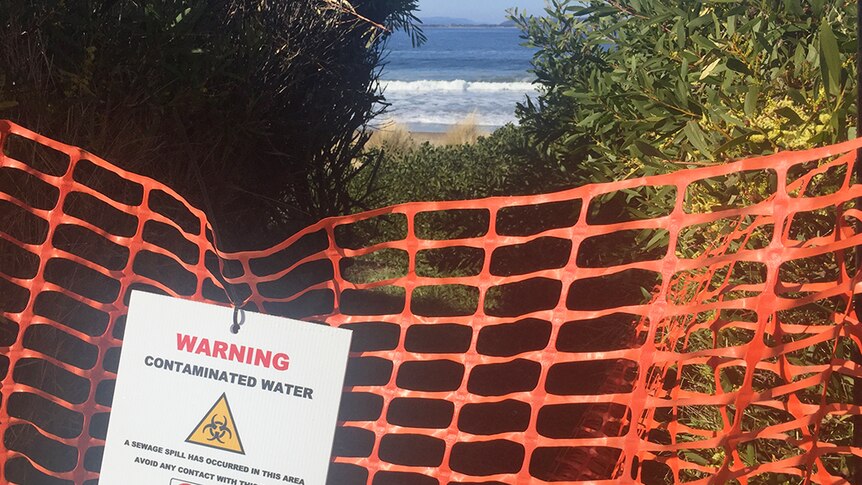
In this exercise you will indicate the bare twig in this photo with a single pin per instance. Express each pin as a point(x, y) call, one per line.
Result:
point(346, 7)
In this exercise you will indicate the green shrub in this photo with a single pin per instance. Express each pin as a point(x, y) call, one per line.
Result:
point(629, 85)
point(269, 100)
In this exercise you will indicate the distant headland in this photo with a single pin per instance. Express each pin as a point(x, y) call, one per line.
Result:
point(461, 22)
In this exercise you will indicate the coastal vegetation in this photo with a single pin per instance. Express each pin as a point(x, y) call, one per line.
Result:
point(639, 87)
point(265, 104)
point(650, 86)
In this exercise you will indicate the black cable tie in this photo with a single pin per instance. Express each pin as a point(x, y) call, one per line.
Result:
point(238, 319)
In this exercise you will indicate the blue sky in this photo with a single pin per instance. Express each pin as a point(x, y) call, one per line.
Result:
point(491, 11)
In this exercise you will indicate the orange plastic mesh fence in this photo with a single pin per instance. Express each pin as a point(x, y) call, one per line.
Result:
point(504, 340)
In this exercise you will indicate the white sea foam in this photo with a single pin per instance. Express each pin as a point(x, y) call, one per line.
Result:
point(456, 86)
point(423, 104)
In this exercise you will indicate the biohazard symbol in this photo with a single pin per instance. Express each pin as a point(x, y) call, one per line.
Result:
point(217, 429)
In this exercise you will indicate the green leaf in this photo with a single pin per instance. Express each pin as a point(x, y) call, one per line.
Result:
point(751, 100)
point(817, 6)
point(798, 57)
point(739, 140)
point(738, 66)
point(646, 294)
point(790, 114)
point(703, 42)
point(695, 136)
point(708, 70)
point(749, 455)
point(599, 12)
point(648, 149)
point(797, 96)
point(695, 458)
point(700, 21)
point(793, 6)
point(589, 120)
point(731, 120)
point(571, 93)
point(830, 56)
point(180, 16)
point(660, 238)
point(682, 90)
point(579, 12)
point(679, 30)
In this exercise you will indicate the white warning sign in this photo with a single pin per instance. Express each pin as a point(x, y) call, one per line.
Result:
point(196, 404)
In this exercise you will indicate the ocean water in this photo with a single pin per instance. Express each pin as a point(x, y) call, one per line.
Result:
point(459, 72)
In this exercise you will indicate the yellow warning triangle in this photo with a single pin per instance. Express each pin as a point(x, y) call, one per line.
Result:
point(217, 429)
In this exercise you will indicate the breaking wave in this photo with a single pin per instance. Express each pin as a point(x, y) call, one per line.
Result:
point(455, 86)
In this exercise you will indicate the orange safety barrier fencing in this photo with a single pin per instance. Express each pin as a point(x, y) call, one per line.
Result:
point(503, 340)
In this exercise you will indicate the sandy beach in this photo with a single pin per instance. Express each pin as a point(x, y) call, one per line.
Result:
point(461, 133)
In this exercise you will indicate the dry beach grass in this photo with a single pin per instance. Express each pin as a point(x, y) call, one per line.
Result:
point(398, 136)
